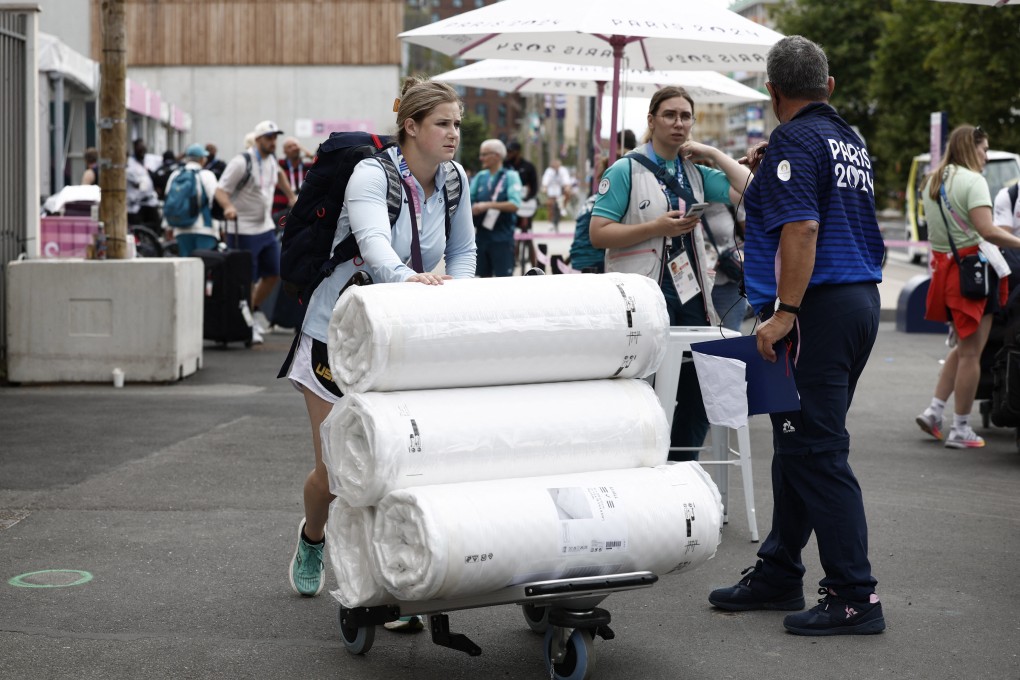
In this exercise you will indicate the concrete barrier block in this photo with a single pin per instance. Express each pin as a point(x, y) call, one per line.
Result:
point(77, 320)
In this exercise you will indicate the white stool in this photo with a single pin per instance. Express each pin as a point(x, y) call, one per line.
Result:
point(666, 380)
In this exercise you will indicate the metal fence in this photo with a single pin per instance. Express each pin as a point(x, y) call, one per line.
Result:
point(14, 163)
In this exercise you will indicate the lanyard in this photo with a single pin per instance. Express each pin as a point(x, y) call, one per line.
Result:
point(295, 175)
point(415, 213)
point(494, 193)
point(263, 187)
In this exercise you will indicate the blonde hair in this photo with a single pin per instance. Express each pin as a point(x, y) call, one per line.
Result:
point(419, 97)
point(961, 150)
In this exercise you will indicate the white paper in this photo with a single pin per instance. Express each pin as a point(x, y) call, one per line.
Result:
point(375, 442)
point(995, 258)
point(497, 331)
point(723, 389)
point(458, 540)
point(489, 221)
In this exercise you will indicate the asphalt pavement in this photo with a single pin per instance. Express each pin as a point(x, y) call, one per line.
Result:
point(178, 504)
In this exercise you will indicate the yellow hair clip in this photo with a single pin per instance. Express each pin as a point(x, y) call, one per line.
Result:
point(396, 105)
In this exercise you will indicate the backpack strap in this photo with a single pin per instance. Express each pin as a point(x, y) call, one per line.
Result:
point(394, 187)
point(244, 178)
point(451, 194)
point(1014, 193)
point(660, 174)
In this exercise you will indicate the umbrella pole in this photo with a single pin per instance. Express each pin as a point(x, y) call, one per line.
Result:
point(596, 131)
point(617, 42)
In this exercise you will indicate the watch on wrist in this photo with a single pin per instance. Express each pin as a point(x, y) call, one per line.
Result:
point(783, 307)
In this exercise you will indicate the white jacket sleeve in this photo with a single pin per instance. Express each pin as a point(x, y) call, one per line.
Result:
point(365, 202)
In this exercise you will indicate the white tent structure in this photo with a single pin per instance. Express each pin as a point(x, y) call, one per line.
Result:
point(65, 76)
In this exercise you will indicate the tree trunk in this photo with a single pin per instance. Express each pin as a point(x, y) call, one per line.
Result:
point(113, 129)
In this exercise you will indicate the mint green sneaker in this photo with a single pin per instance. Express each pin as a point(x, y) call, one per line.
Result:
point(306, 569)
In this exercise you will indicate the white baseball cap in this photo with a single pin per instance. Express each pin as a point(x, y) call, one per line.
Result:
point(266, 128)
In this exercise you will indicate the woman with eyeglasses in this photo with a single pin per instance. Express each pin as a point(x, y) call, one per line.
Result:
point(958, 206)
point(639, 217)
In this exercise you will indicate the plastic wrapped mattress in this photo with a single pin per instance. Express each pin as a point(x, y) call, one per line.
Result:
point(349, 541)
point(456, 540)
point(380, 441)
point(499, 331)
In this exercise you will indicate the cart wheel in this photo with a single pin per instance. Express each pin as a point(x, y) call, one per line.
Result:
point(356, 640)
point(579, 661)
point(537, 617)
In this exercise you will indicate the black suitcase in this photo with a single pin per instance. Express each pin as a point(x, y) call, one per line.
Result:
point(282, 308)
point(227, 316)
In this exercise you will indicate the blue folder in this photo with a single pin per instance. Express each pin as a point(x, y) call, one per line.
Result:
point(770, 386)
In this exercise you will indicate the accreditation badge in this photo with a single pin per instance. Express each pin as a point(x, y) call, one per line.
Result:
point(683, 277)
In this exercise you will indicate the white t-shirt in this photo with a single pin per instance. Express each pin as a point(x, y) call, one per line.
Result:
point(206, 180)
point(1004, 214)
point(254, 200)
point(553, 181)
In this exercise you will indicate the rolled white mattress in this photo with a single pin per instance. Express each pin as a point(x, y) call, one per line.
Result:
point(349, 542)
point(500, 331)
point(474, 538)
point(376, 442)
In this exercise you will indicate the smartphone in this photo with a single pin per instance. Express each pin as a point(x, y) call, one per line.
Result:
point(696, 210)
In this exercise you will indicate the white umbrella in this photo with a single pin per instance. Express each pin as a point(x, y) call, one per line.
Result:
point(676, 35)
point(544, 77)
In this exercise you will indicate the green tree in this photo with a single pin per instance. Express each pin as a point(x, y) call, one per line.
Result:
point(473, 131)
point(976, 56)
point(848, 31)
point(931, 57)
point(906, 88)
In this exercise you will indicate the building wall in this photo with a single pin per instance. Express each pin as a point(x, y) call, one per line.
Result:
point(69, 20)
point(259, 32)
point(226, 102)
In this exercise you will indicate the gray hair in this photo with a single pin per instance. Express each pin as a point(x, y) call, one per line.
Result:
point(494, 145)
point(798, 68)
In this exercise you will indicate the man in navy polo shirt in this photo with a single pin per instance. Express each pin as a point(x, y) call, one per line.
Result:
point(813, 255)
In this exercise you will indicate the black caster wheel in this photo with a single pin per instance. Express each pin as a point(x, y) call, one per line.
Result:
point(536, 617)
point(579, 661)
point(356, 640)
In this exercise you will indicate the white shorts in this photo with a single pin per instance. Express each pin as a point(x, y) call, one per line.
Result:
point(307, 374)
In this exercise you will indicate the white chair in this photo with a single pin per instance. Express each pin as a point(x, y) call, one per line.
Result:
point(666, 379)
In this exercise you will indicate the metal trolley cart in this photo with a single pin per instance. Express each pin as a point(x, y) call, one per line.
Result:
point(565, 611)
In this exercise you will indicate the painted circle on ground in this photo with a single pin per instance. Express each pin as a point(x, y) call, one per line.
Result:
point(51, 578)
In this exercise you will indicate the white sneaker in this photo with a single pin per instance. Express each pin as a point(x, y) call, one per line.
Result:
point(930, 424)
point(966, 438)
point(256, 337)
point(260, 324)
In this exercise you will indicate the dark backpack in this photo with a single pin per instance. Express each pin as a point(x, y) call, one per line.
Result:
point(306, 257)
point(183, 206)
point(582, 253)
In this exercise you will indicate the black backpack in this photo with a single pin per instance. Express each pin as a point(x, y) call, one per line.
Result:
point(310, 225)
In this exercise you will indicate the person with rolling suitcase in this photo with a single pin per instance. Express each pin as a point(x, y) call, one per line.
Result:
point(245, 191)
